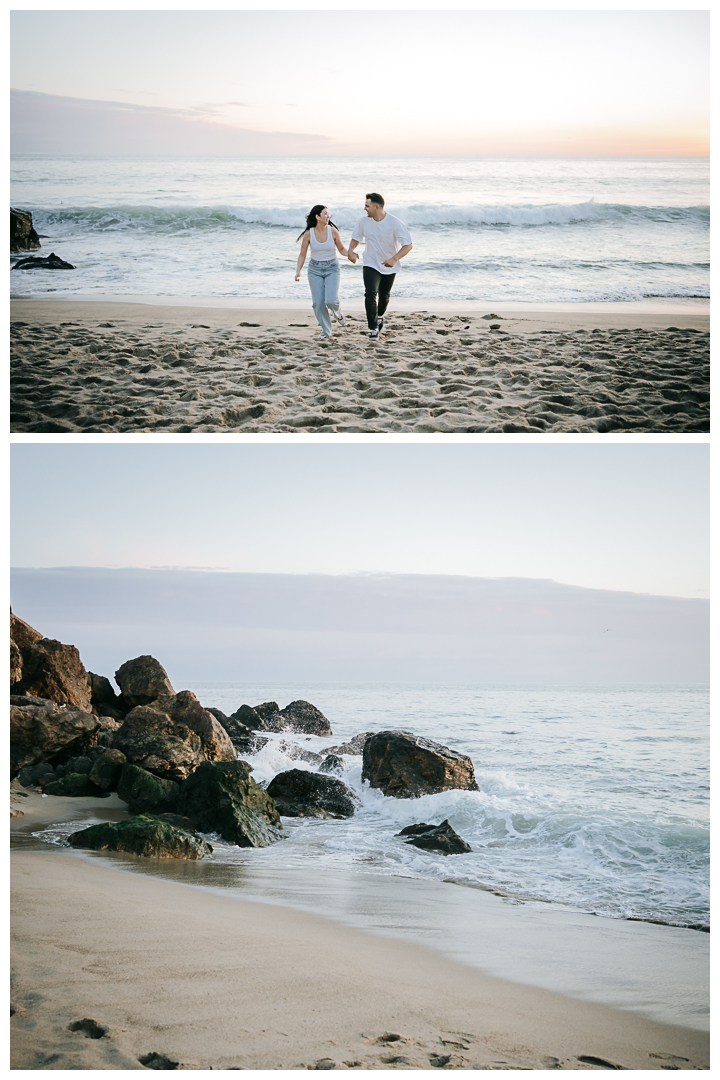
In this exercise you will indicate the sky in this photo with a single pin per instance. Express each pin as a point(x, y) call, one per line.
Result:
point(628, 517)
point(421, 82)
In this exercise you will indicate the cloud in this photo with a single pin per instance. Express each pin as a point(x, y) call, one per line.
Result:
point(52, 124)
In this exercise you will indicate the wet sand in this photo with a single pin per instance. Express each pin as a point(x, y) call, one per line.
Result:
point(130, 367)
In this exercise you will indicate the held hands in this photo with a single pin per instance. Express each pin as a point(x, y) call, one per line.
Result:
point(352, 256)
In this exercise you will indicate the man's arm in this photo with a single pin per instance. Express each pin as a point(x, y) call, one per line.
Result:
point(398, 255)
point(351, 251)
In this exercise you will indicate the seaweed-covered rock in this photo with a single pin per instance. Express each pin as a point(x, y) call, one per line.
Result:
point(142, 680)
point(441, 838)
point(78, 785)
point(298, 793)
point(141, 835)
point(407, 766)
point(144, 792)
point(105, 771)
point(54, 671)
point(222, 797)
point(41, 732)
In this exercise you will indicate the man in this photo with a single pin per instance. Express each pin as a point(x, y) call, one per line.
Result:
point(386, 242)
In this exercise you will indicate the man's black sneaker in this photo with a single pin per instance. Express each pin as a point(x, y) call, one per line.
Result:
point(374, 333)
point(380, 322)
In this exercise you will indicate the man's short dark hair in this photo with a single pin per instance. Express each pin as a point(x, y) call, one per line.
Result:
point(374, 197)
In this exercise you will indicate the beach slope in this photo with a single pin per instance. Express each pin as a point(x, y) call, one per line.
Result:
point(158, 970)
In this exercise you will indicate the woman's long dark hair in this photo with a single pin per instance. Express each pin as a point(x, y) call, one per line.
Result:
point(311, 219)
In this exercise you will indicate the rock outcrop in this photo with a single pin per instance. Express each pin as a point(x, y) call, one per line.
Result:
point(22, 234)
point(43, 730)
point(22, 633)
point(142, 835)
point(142, 681)
point(152, 739)
point(15, 664)
point(441, 838)
point(222, 797)
point(106, 768)
point(78, 785)
point(332, 763)
point(144, 792)
point(354, 746)
point(54, 671)
point(50, 262)
point(298, 793)
point(407, 766)
point(300, 717)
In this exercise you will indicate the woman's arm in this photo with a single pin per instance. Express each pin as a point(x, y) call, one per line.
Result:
point(338, 242)
point(301, 256)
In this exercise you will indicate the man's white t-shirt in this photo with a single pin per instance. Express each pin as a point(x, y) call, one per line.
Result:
point(383, 239)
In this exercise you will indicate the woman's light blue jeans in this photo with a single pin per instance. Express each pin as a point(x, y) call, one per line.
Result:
point(324, 279)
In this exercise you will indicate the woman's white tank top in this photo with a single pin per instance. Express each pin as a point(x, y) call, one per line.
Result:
point(322, 252)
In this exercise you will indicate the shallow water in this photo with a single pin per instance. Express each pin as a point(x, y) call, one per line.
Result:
point(514, 229)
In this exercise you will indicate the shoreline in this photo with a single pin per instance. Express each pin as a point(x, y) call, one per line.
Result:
point(115, 367)
point(211, 982)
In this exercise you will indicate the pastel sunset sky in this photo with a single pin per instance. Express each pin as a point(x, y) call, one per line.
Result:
point(567, 82)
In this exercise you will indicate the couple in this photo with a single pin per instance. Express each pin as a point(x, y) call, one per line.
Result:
point(386, 242)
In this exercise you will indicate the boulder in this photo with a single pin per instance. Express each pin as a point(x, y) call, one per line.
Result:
point(34, 775)
point(105, 771)
point(332, 763)
point(73, 783)
point(298, 753)
point(250, 718)
point(22, 234)
point(184, 708)
point(22, 633)
point(441, 838)
point(142, 680)
point(50, 262)
point(407, 766)
point(300, 717)
point(298, 793)
point(101, 691)
point(53, 670)
point(141, 835)
point(222, 797)
point(144, 792)
point(354, 746)
point(15, 663)
point(151, 738)
point(267, 708)
point(42, 731)
point(178, 821)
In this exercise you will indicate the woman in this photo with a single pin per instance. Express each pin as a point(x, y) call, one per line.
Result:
point(322, 238)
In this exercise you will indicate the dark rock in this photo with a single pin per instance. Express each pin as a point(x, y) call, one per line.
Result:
point(141, 835)
point(22, 633)
point(407, 766)
point(111, 712)
point(144, 792)
point(101, 691)
point(267, 708)
point(488, 317)
point(53, 670)
point(41, 732)
point(105, 771)
point(50, 262)
point(354, 746)
point(178, 821)
point(89, 1028)
point(300, 717)
point(218, 714)
point(32, 775)
point(251, 718)
point(80, 764)
point(22, 234)
point(441, 838)
point(75, 784)
point(15, 663)
point(299, 793)
point(142, 680)
point(222, 797)
point(332, 763)
point(151, 738)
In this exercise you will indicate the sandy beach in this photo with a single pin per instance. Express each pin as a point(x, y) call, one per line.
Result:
point(112, 367)
point(118, 970)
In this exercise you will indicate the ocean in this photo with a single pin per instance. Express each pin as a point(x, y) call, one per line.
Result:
point(538, 230)
point(589, 828)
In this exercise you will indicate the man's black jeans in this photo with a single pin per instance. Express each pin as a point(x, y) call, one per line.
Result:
point(374, 282)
